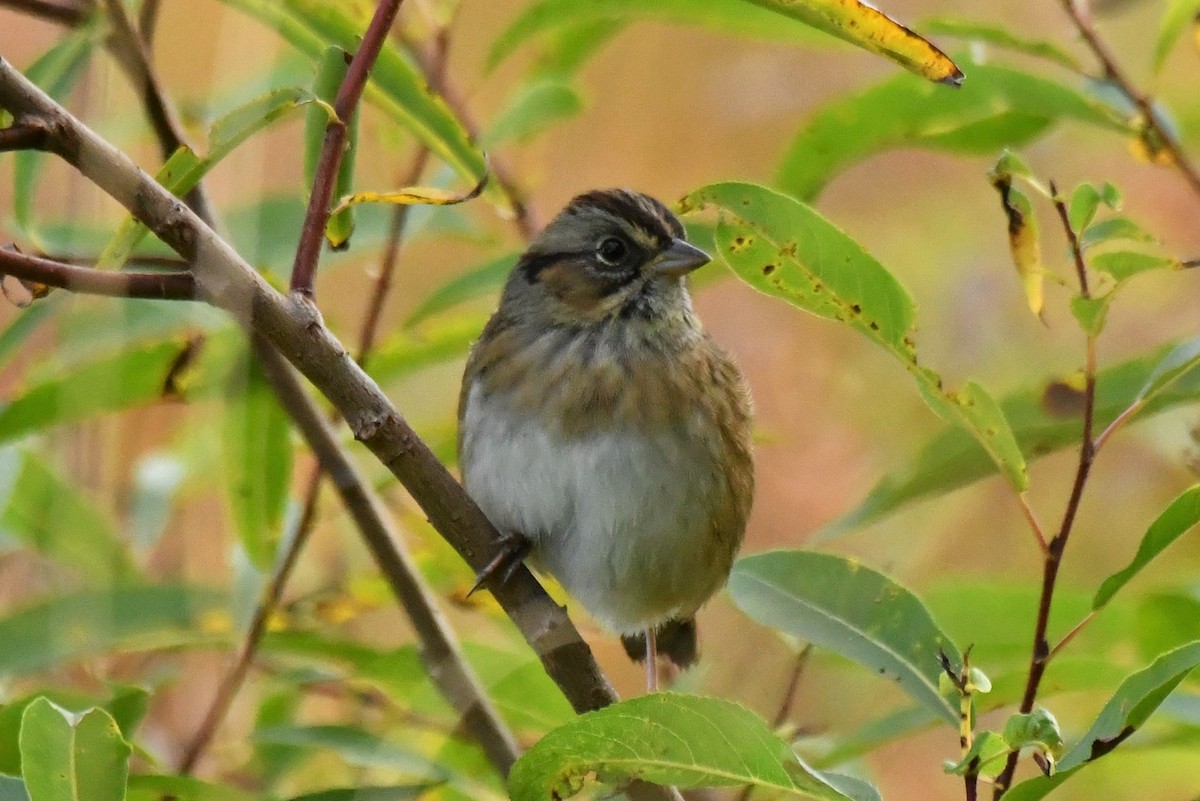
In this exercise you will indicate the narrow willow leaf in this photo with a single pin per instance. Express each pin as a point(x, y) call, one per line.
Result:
point(407, 351)
point(55, 72)
point(1000, 37)
point(395, 85)
point(477, 282)
point(953, 459)
point(872, 30)
point(184, 169)
point(132, 377)
point(681, 740)
point(396, 792)
point(726, 16)
point(331, 70)
point(77, 625)
point(838, 604)
point(258, 461)
point(68, 757)
point(786, 249)
point(1179, 15)
point(1022, 240)
point(412, 196)
point(1124, 264)
point(1175, 521)
point(1132, 704)
point(535, 107)
point(57, 519)
point(1114, 229)
point(998, 107)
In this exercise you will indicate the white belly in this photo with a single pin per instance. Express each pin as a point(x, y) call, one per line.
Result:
point(619, 518)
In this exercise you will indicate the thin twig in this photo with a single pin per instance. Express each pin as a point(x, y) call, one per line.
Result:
point(304, 268)
point(1116, 425)
point(25, 136)
point(65, 13)
point(785, 702)
point(158, 286)
point(1031, 518)
point(1080, 13)
point(1070, 635)
point(1054, 552)
point(148, 21)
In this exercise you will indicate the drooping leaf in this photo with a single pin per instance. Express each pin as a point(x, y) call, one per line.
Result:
point(258, 461)
point(1042, 423)
point(132, 377)
point(681, 740)
point(1179, 14)
point(68, 757)
point(1175, 521)
point(838, 604)
point(786, 249)
point(395, 85)
point(55, 72)
point(1022, 239)
point(57, 519)
point(1000, 37)
point(77, 625)
point(411, 196)
point(866, 27)
point(998, 107)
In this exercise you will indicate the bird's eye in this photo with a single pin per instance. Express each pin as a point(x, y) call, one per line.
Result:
point(612, 251)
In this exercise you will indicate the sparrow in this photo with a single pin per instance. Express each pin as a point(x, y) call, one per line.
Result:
point(603, 432)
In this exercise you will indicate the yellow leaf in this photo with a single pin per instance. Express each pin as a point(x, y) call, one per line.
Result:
point(1023, 241)
point(872, 30)
point(412, 196)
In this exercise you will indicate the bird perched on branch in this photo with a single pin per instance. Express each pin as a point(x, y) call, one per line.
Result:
point(601, 429)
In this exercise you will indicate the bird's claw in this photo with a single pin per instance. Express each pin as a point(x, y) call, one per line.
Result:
point(514, 548)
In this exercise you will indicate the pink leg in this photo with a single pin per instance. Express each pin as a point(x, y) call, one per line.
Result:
point(651, 661)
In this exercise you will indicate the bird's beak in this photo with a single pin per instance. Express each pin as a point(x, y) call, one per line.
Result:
point(680, 259)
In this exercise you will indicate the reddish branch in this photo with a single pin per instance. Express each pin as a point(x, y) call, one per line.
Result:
point(304, 268)
point(37, 270)
point(65, 13)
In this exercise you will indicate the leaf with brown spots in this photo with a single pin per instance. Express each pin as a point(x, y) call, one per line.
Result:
point(818, 268)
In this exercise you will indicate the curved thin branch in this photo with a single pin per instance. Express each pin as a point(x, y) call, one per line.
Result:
point(157, 286)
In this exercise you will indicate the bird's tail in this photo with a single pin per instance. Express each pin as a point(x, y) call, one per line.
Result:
point(675, 639)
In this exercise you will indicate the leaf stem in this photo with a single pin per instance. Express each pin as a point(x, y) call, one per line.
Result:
point(304, 268)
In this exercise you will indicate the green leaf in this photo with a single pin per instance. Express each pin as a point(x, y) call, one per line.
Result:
point(55, 72)
point(1000, 37)
point(1176, 520)
point(1041, 424)
point(1037, 729)
point(1085, 200)
point(68, 757)
point(997, 107)
point(1092, 313)
point(485, 279)
point(1130, 706)
point(838, 604)
point(185, 168)
point(983, 756)
point(126, 705)
point(395, 85)
point(184, 788)
point(356, 747)
point(1114, 229)
point(77, 625)
point(331, 71)
point(1164, 621)
point(407, 351)
point(57, 519)
point(1124, 264)
point(398, 792)
point(786, 249)
point(670, 739)
point(726, 16)
point(257, 450)
point(534, 108)
point(1180, 14)
point(119, 381)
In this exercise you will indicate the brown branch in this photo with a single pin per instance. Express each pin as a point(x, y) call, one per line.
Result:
point(66, 13)
point(28, 136)
point(294, 327)
point(159, 286)
point(148, 21)
point(1081, 15)
point(1042, 652)
point(304, 268)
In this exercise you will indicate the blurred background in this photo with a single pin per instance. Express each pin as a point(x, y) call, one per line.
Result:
point(663, 108)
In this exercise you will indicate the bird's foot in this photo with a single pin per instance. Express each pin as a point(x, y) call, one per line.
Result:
point(514, 548)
